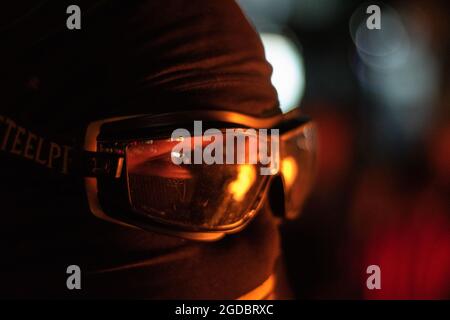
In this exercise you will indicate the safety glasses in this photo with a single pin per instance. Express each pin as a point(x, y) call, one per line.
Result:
point(162, 173)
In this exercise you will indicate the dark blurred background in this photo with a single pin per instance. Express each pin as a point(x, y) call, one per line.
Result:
point(381, 100)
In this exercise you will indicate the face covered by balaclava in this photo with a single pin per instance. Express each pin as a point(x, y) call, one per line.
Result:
point(128, 58)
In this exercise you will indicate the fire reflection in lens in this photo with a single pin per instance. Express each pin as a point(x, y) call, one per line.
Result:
point(244, 181)
point(290, 170)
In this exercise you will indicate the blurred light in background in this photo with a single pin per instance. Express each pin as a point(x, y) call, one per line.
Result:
point(318, 14)
point(288, 70)
point(267, 11)
point(382, 49)
point(308, 14)
point(375, 193)
point(401, 75)
point(269, 18)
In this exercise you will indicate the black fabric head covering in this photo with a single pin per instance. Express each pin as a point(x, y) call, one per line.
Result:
point(177, 55)
point(130, 57)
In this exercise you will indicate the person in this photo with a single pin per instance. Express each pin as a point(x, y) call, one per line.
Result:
point(133, 57)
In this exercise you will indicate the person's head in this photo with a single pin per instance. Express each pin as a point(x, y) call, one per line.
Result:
point(145, 58)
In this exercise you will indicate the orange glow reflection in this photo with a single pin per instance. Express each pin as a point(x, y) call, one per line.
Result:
point(289, 169)
point(245, 179)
